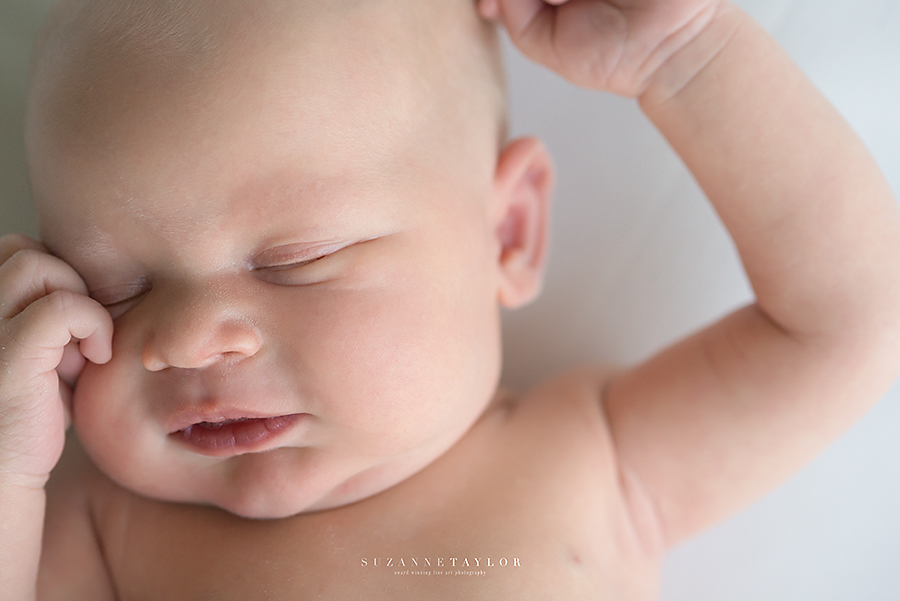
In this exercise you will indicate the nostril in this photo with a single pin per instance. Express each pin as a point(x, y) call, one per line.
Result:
point(184, 360)
point(154, 354)
point(198, 350)
point(198, 325)
point(152, 364)
point(244, 344)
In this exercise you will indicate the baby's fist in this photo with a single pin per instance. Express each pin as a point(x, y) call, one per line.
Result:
point(611, 45)
point(48, 327)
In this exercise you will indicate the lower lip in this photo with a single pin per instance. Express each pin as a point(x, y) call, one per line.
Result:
point(232, 437)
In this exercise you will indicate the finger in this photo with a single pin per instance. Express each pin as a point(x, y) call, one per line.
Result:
point(530, 25)
point(29, 274)
point(39, 334)
point(10, 244)
point(71, 364)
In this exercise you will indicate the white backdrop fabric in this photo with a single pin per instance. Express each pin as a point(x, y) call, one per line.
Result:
point(638, 260)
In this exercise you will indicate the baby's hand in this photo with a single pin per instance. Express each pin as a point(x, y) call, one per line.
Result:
point(44, 313)
point(611, 45)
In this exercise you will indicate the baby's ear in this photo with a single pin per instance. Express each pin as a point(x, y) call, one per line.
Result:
point(520, 214)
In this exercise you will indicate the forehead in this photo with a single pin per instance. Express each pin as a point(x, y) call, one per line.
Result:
point(122, 77)
point(171, 119)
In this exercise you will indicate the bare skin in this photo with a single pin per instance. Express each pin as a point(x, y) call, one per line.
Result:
point(524, 499)
point(580, 485)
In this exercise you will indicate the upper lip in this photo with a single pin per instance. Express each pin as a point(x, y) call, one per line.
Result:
point(183, 398)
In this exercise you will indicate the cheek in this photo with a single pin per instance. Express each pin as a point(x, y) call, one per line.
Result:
point(407, 358)
point(110, 420)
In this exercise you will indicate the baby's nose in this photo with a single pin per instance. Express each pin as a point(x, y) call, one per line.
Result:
point(199, 327)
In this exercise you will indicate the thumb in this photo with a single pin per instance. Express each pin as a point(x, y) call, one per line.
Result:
point(69, 368)
point(530, 23)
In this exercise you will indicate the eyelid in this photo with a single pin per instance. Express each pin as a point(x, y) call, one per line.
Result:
point(290, 255)
point(112, 295)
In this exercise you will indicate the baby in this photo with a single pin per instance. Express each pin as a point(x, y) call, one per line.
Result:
point(275, 239)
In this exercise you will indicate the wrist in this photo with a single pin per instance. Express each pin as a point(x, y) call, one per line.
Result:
point(22, 483)
point(11, 482)
point(22, 514)
point(695, 55)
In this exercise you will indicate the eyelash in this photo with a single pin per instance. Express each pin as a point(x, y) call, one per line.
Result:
point(131, 292)
point(121, 306)
point(288, 265)
point(300, 259)
point(297, 273)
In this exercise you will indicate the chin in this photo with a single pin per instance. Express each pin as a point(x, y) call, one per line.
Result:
point(277, 484)
point(262, 504)
point(262, 511)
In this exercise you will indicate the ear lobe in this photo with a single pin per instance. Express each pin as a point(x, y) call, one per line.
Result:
point(522, 185)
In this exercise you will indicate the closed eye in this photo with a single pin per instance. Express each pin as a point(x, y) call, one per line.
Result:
point(283, 266)
point(295, 255)
point(111, 295)
point(294, 264)
point(120, 298)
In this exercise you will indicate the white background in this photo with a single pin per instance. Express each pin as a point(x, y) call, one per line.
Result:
point(638, 260)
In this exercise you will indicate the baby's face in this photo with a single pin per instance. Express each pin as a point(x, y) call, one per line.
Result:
point(299, 259)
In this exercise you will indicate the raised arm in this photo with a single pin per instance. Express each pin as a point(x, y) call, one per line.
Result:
point(722, 417)
point(713, 422)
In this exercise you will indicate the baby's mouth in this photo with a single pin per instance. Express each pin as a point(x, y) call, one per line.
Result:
point(235, 436)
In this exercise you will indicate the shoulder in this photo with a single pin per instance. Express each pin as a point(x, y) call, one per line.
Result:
point(574, 395)
point(562, 424)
